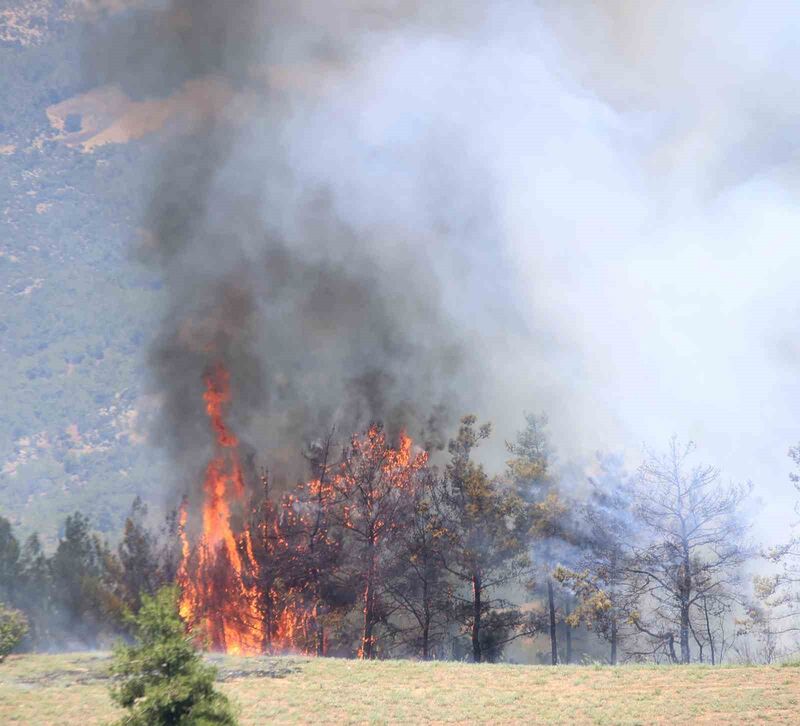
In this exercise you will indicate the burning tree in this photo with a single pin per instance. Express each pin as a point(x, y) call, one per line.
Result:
point(258, 582)
point(270, 581)
point(377, 522)
point(214, 595)
point(372, 487)
point(294, 563)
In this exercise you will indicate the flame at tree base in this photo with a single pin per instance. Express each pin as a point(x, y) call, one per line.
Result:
point(259, 585)
point(216, 601)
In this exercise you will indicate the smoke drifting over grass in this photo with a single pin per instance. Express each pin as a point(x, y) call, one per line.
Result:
point(582, 208)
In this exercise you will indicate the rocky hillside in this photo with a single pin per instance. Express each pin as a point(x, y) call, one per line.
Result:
point(76, 307)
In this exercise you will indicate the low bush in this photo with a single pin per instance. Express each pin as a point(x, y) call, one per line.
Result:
point(161, 678)
point(13, 626)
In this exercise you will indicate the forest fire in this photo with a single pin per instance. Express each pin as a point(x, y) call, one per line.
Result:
point(268, 577)
point(214, 593)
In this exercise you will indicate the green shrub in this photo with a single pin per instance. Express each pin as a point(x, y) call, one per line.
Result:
point(161, 679)
point(13, 626)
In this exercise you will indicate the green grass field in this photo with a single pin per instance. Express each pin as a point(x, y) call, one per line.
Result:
point(73, 689)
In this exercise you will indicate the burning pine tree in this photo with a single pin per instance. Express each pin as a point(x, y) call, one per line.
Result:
point(215, 595)
point(271, 582)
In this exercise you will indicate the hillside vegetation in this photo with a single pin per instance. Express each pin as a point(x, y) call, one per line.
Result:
point(77, 308)
point(73, 689)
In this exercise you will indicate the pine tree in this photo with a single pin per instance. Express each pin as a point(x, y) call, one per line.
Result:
point(419, 586)
point(543, 519)
point(484, 553)
point(695, 548)
point(84, 575)
point(9, 562)
point(36, 592)
point(371, 491)
point(162, 679)
point(600, 581)
point(138, 558)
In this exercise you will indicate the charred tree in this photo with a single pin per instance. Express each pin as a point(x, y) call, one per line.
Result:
point(551, 606)
point(371, 489)
point(695, 545)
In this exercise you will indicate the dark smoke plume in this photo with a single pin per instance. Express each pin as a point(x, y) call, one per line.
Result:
point(321, 322)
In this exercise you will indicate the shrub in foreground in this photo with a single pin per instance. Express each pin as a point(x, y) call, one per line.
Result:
point(13, 627)
point(161, 679)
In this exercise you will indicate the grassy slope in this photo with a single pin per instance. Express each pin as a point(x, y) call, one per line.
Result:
point(72, 689)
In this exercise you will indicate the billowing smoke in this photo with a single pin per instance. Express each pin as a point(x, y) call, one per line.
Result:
point(373, 207)
point(289, 250)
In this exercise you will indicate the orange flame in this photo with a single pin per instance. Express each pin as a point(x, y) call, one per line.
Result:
point(214, 596)
point(227, 595)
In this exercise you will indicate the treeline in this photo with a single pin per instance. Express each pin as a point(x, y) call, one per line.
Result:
point(382, 554)
point(78, 595)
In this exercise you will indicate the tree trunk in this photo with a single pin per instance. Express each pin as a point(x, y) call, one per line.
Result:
point(685, 595)
point(614, 641)
point(426, 626)
point(369, 616)
point(685, 655)
point(320, 641)
point(477, 607)
point(367, 639)
point(671, 645)
point(552, 605)
point(567, 635)
point(267, 621)
point(319, 628)
point(710, 636)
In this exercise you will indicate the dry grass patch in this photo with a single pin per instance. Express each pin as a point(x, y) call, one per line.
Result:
point(73, 689)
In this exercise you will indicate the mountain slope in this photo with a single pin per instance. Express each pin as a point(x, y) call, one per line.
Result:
point(76, 308)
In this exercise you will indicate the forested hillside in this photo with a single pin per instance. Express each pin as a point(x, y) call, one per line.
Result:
point(76, 306)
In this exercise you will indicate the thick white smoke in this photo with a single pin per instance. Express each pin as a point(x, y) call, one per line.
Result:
point(583, 208)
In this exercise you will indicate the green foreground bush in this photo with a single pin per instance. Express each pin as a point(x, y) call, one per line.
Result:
point(162, 680)
point(13, 627)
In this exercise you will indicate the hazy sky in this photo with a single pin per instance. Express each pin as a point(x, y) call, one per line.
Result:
point(667, 199)
point(664, 233)
point(621, 178)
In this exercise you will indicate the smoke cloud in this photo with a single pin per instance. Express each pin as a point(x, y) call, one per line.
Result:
point(289, 245)
point(379, 208)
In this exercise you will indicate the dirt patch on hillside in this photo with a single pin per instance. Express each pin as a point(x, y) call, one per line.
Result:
point(107, 115)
